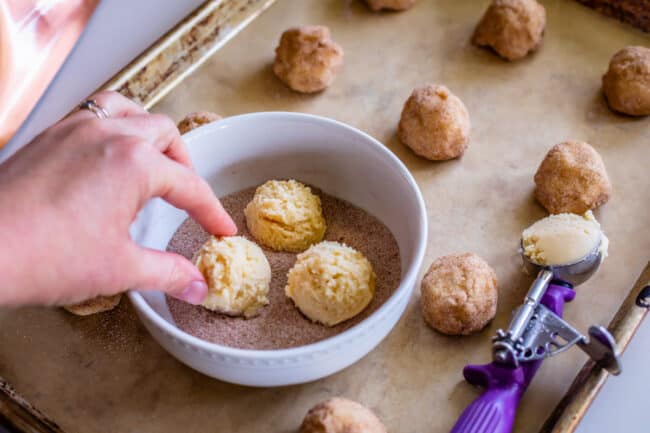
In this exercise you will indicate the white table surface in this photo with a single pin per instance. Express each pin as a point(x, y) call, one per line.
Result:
point(121, 29)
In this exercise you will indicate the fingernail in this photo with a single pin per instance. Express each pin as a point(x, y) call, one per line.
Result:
point(194, 293)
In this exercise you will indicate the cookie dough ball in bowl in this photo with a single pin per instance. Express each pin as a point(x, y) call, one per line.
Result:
point(434, 123)
point(627, 82)
point(307, 59)
point(340, 415)
point(393, 5)
point(331, 283)
point(196, 119)
point(286, 216)
point(512, 28)
point(572, 179)
point(238, 275)
point(95, 305)
point(459, 294)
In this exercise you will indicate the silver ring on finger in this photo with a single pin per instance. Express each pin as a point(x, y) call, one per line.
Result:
point(92, 106)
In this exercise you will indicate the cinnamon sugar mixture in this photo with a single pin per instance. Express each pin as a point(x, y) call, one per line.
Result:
point(280, 324)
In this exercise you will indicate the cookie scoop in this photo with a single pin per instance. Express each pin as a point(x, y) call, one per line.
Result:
point(536, 332)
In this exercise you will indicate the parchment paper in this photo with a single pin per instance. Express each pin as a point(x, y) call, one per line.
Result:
point(106, 374)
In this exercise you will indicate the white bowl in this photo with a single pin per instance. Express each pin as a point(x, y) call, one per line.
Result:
point(244, 151)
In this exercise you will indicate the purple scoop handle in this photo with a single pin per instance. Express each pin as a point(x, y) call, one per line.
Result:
point(494, 411)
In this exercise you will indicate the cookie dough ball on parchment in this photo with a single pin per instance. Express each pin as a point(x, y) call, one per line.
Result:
point(572, 179)
point(307, 59)
point(331, 283)
point(512, 28)
point(196, 119)
point(286, 216)
point(393, 5)
point(459, 294)
point(340, 415)
point(238, 275)
point(627, 82)
point(94, 305)
point(434, 123)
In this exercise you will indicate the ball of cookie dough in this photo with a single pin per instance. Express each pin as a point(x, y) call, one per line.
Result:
point(459, 294)
point(393, 5)
point(307, 59)
point(434, 123)
point(196, 119)
point(286, 216)
point(340, 415)
point(512, 28)
point(331, 283)
point(95, 305)
point(237, 273)
point(562, 239)
point(572, 179)
point(627, 82)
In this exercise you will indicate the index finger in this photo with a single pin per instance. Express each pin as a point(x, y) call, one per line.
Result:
point(183, 188)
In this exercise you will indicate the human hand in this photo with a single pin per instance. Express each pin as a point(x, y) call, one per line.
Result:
point(67, 200)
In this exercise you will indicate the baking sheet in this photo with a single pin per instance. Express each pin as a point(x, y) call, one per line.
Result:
point(184, 48)
point(106, 374)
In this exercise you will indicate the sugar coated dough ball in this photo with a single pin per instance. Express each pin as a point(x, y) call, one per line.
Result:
point(95, 305)
point(627, 82)
point(394, 5)
point(512, 28)
point(434, 123)
point(340, 415)
point(572, 179)
point(196, 119)
point(459, 294)
point(307, 59)
point(286, 216)
point(331, 283)
point(238, 275)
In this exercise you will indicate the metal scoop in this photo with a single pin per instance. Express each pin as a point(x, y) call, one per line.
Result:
point(574, 273)
point(537, 331)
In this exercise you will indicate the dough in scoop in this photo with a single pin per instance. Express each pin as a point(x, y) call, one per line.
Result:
point(563, 239)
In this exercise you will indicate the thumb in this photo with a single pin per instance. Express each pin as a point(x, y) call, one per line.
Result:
point(167, 272)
